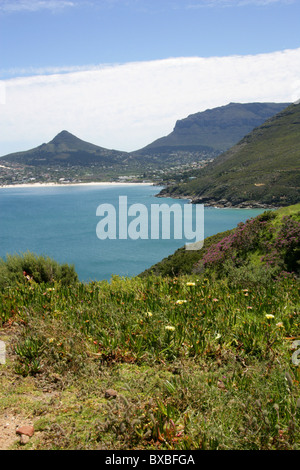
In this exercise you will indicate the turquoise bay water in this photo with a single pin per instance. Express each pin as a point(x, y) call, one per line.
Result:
point(61, 222)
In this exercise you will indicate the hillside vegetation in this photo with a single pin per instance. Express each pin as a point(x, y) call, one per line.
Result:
point(264, 246)
point(262, 169)
point(201, 360)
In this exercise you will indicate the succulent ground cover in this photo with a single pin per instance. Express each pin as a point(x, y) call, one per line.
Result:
point(205, 360)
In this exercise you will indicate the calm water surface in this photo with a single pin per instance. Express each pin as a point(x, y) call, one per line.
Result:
point(61, 222)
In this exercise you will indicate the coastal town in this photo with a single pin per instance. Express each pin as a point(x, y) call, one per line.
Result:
point(12, 173)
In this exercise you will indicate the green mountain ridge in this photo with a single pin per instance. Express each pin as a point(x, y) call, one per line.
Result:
point(207, 132)
point(197, 139)
point(260, 170)
point(214, 130)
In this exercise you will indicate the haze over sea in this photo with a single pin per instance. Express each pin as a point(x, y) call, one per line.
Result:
point(61, 221)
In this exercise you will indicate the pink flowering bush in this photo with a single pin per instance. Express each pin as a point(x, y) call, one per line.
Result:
point(279, 250)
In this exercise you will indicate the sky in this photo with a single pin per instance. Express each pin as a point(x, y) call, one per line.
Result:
point(120, 73)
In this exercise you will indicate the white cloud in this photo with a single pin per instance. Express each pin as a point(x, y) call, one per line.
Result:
point(128, 106)
point(10, 6)
point(17, 6)
point(31, 71)
point(235, 3)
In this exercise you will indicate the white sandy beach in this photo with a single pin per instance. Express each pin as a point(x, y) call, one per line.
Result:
point(99, 183)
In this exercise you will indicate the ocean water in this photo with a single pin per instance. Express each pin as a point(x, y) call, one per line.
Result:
point(61, 222)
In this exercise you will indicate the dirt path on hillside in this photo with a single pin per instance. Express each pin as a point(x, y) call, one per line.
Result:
point(8, 425)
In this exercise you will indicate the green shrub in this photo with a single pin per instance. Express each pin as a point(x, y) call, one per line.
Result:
point(249, 275)
point(28, 352)
point(38, 268)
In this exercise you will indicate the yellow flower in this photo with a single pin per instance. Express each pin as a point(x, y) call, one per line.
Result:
point(190, 283)
point(180, 302)
point(148, 314)
point(170, 328)
point(269, 315)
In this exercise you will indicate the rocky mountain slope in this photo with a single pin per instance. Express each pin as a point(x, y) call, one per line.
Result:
point(214, 130)
point(262, 169)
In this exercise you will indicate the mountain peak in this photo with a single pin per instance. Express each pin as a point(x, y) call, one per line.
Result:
point(63, 133)
point(67, 141)
point(64, 136)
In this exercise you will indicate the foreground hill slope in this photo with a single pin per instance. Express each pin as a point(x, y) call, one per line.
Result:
point(262, 169)
point(257, 250)
point(208, 361)
point(214, 130)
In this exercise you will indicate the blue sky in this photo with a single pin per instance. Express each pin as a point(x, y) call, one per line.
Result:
point(44, 34)
point(119, 73)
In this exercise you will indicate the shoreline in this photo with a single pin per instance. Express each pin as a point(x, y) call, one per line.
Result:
point(191, 200)
point(219, 205)
point(53, 185)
